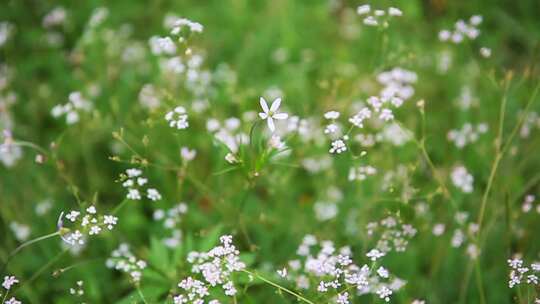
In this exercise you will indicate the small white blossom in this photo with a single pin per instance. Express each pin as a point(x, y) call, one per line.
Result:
point(269, 114)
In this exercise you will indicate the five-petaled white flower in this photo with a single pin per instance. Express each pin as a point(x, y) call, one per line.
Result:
point(272, 113)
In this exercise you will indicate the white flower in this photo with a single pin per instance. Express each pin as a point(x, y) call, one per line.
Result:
point(271, 113)
point(338, 146)
point(133, 194)
point(282, 272)
point(13, 301)
point(187, 154)
point(153, 194)
point(462, 179)
point(374, 254)
point(485, 52)
point(384, 293)
point(110, 221)
point(363, 9)
point(392, 11)
point(9, 281)
point(177, 118)
point(94, 230)
point(91, 210)
point(331, 115)
point(231, 158)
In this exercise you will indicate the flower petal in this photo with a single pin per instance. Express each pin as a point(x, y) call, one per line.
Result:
point(271, 126)
point(264, 105)
point(280, 116)
point(263, 115)
point(275, 105)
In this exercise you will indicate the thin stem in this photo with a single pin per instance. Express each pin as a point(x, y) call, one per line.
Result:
point(45, 267)
point(479, 282)
point(278, 286)
point(141, 294)
point(119, 206)
point(14, 252)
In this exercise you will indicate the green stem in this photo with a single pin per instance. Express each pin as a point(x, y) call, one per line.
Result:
point(141, 294)
point(23, 245)
point(278, 286)
point(117, 209)
point(479, 282)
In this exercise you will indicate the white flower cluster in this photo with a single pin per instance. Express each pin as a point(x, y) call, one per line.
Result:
point(375, 17)
point(334, 271)
point(468, 134)
point(8, 282)
point(123, 260)
point(21, 231)
point(519, 272)
point(531, 121)
point(528, 204)
point(361, 172)
point(391, 233)
point(55, 17)
point(85, 223)
point(10, 153)
point(6, 29)
point(171, 219)
point(216, 267)
point(338, 146)
point(134, 182)
point(76, 104)
point(462, 179)
point(229, 134)
point(162, 45)
point(466, 231)
point(183, 23)
point(325, 211)
point(177, 118)
point(149, 96)
point(397, 88)
point(78, 290)
point(462, 30)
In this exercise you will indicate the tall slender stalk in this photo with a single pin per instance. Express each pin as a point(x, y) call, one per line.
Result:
point(299, 297)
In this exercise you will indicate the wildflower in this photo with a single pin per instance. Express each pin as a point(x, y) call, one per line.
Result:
point(462, 179)
point(271, 113)
point(325, 211)
point(384, 293)
point(282, 272)
point(78, 289)
point(110, 221)
point(162, 46)
point(216, 268)
point(9, 281)
point(21, 231)
point(363, 9)
point(186, 23)
point(375, 254)
point(123, 260)
point(153, 194)
point(338, 146)
point(187, 154)
point(358, 118)
point(485, 52)
point(13, 301)
point(177, 118)
point(77, 104)
point(331, 115)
